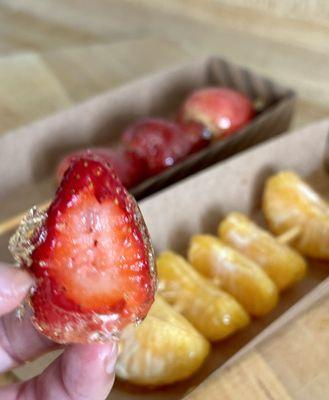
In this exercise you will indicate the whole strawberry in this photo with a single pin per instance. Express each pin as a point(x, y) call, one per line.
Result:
point(128, 165)
point(222, 110)
point(159, 142)
point(197, 135)
point(91, 257)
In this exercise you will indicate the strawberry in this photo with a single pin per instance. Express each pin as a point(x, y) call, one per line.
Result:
point(93, 260)
point(222, 110)
point(158, 141)
point(195, 133)
point(130, 168)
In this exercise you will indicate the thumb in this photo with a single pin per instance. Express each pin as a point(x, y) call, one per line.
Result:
point(81, 372)
point(14, 285)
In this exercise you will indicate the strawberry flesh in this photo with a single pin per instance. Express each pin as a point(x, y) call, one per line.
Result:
point(94, 266)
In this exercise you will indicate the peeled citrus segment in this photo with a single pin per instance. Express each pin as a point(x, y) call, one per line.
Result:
point(288, 202)
point(281, 263)
point(238, 275)
point(213, 313)
point(163, 349)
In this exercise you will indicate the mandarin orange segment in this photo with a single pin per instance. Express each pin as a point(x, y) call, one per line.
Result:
point(213, 312)
point(281, 263)
point(235, 273)
point(163, 349)
point(288, 202)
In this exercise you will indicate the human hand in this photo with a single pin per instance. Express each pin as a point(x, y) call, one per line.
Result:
point(82, 372)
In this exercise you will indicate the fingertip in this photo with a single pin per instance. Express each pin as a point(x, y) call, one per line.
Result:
point(22, 280)
point(11, 276)
point(111, 357)
point(101, 353)
point(90, 368)
point(14, 285)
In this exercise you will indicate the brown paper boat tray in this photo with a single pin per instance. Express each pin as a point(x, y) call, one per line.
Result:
point(37, 148)
point(197, 204)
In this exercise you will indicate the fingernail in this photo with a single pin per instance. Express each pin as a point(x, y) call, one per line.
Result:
point(111, 359)
point(14, 279)
point(22, 280)
point(14, 285)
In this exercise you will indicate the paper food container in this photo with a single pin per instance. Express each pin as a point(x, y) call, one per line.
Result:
point(37, 148)
point(198, 203)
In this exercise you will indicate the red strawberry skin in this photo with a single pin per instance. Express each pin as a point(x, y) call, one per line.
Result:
point(222, 110)
point(197, 135)
point(128, 165)
point(158, 141)
point(94, 265)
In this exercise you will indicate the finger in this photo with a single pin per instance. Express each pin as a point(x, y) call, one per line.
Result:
point(19, 341)
point(14, 285)
point(82, 372)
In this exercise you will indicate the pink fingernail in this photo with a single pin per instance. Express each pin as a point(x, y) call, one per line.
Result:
point(111, 359)
point(22, 280)
point(14, 285)
point(14, 280)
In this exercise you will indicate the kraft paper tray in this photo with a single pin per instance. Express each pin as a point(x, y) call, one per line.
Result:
point(37, 148)
point(197, 204)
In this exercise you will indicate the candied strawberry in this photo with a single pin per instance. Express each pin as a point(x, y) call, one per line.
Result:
point(128, 165)
point(93, 260)
point(222, 110)
point(158, 141)
point(196, 134)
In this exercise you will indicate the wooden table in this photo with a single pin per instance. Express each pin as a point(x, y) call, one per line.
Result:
point(292, 364)
point(54, 53)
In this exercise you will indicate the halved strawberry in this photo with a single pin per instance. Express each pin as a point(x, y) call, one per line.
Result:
point(93, 261)
point(127, 164)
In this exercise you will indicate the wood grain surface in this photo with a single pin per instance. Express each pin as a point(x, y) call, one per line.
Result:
point(291, 365)
point(54, 53)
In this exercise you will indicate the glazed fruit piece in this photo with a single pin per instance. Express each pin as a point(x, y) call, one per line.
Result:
point(214, 313)
point(157, 141)
point(222, 110)
point(91, 257)
point(290, 204)
point(163, 349)
point(233, 272)
point(130, 168)
point(195, 133)
point(281, 263)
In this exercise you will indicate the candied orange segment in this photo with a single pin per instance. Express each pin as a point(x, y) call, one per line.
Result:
point(163, 349)
point(289, 203)
point(214, 313)
point(281, 263)
point(237, 274)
